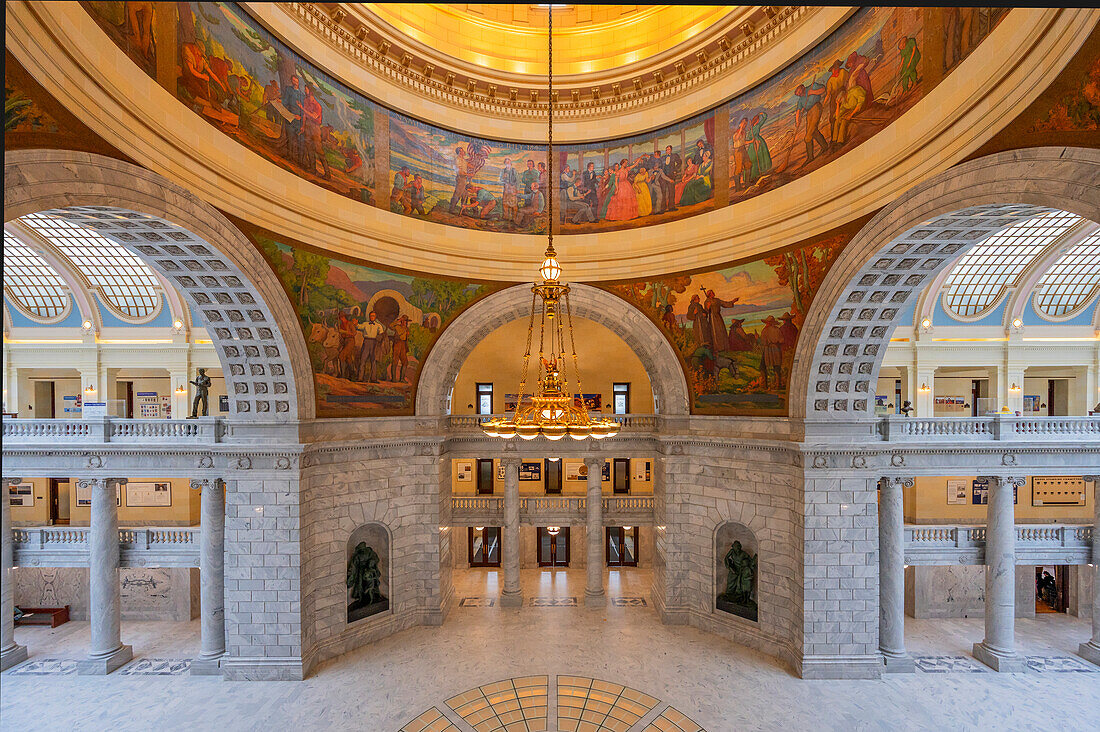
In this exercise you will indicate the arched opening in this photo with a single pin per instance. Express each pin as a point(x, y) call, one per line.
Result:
point(736, 570)
point(369, 574)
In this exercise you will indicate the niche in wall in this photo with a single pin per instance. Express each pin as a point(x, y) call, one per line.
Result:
point(368, 575)
point(736, 570)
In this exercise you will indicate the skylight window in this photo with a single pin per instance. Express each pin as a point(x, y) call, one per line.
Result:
point(981, 276)
point(126, 283)
point(31, 282)
point(1072, 281)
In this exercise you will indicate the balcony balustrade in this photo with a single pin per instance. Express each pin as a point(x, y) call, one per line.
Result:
point(1035, 544)
point(551, 510)
point(895, 428)
point(60, 546)
point(202, 431)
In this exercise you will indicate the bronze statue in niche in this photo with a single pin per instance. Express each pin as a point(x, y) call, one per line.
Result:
point(365, 582)
point(738, 599)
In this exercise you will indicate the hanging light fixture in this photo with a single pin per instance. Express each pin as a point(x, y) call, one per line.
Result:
point(550, 410)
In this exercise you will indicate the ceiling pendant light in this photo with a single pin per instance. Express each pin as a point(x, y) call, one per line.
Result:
point(550, 410)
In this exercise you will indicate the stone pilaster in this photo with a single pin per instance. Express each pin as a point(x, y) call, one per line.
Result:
point(11, 652)
point(211, 577)
point(511, 595)
point(594, 595)
point(1091, 651)
point(106, 652)
point(891, 575)
point(998, 650)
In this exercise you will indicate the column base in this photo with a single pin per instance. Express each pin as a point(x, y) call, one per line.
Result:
point(592, 599)
point(1010, 663)
point(840, 667)
point(207, 666)
point(102, 665)
point(11, 656)
point(1090, 652)
point(901, 663)
point(511, 599)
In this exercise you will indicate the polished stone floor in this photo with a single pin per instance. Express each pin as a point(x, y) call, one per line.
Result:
point(719, 685)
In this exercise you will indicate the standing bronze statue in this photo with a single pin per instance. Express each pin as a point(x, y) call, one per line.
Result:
point(737, 598)
point(202, 391)
point(365, 582)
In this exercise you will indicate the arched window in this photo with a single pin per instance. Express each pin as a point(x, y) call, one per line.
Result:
point(1072, 281)
point(32, 284)
point(127, 284)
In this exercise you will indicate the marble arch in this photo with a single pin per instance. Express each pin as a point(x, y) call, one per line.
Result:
point(905, 246)
point(192, 246)
point(468, 329)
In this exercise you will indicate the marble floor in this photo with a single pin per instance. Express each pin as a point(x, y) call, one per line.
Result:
point(719, 685)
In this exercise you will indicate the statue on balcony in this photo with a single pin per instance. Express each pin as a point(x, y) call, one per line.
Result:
point(906, 408)
point(365, 582)
point(202, 391)
point(737, 599)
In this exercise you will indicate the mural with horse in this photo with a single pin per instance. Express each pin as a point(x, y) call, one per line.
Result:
point(367, 330)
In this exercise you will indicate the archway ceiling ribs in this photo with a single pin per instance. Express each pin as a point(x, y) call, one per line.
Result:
point(717, 47)
point(848, 355)
point(255, 363)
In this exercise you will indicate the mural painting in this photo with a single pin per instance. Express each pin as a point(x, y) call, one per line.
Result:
point(736, 328)
point(964, 29)
point(22, 113)
point(1078, 110)
point(851, 86)
point(367, 330)
point(130, 25)
point(646, 179)
point(463, 181)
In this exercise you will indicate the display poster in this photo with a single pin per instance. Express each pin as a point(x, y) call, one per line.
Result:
point(223, 403)
point(576, 471)
point(530, 471)
point(94, 409)
point(72, 405)
point(500, 472)
point(166, 406)
point(606, 475)
point(148, 494)
point(511, 399)
point(464, 470)
point(21, 494)
point(981, 492)
point(84, 494)
point(956, 492)
point(1031, 403)
point(148, 405)
point(592, 402)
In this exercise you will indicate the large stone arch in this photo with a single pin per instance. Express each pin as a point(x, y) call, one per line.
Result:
point(441, 367)
point(190, 244)
point(903, 248)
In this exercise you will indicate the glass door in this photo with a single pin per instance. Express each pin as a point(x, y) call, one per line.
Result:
point(553, 546)
point(484, 546)
point(622, 546)
point(552, 472)
point(484, 477)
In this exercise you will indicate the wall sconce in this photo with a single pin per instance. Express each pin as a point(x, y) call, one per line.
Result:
point(86, 326)
point(926, 325)
point(1017, 323)
point(181, 389)
point(627, 528)
point(1014, 388)
point(553, 530)
point(924, 388)
point(89, 389)
point(479, 528)
point(554, 459)
point(177, 325)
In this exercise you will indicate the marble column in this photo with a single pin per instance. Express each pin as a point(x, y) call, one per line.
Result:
point(211, 577)
point(891, 575)
point(594, 595)
point(1091, 651)
point(511, 595)
point(11, 652)
point(107, 652)
point(998, 650)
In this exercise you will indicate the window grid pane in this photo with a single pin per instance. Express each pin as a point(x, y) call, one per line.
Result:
point(1072, 280)
point(125, 281)
point(31, 281)
point(980, 276)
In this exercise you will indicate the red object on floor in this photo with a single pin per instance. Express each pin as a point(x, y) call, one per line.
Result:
point(51, 616)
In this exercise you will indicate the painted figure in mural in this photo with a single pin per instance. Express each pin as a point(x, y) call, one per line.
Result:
point(856, 95)
point(713, 306)
point(271, 95)
point(671, 168)
point(701, 147)
point(399, 196)
point(668, 318)
point(577, 204)
point(741, 577)
point(198, 78)
point(529, 184)
point(461, 178)
point(739, 151)
point(623, 204)
point(760, 157)
point(510, 184)
point(589, 186)
point(414, 195)
point(568, 177)
point(480, 203)
point(202, 391)
point(399, 354)
point(808, 104)
point(139, 22)
point(364, 576)
point(700, 328)
point(910, 62)
point(292, 101)
point(834, 94)
point(641, 190)
point(771, 357)
point(740, 340)
point(699, 188)
point(373, 349)
point(789, 333)
point(544, 187)
point(312, 149)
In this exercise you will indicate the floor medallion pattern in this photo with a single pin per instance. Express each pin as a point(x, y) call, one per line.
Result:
point(46, 666)
point(514, 705)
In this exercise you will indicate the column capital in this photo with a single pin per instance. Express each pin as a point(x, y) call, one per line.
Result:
point(1091, 478)
point(896, 482)
point(9, 480)
point(115, 481)
point(1006, 480)
point(83, 483)
point(595, 462)
point(510, 462)
point(205, 483)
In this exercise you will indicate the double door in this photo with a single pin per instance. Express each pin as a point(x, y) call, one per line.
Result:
point(484, 546)
point(621, 547)
point(553, 548)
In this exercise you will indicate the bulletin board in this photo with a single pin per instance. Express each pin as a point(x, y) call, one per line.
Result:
point(148, 494)
point(84, 495)
point(21, 494)
point(148, 405)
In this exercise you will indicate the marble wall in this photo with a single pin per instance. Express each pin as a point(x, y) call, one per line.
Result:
point(147, 593)
point(958, 591)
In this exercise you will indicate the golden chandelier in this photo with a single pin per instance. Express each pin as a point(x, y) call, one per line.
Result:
point(551, 411)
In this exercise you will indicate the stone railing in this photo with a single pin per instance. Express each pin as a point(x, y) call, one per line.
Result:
point(60, 546)
point(896, 428)
point(551, 510)
point(203, 431)
point(1035, 543)
point(628, 422)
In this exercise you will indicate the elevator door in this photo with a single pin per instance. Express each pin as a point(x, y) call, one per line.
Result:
point(553, 548)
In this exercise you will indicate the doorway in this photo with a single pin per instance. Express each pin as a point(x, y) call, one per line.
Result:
point(59, 501)
point(484, 546)
point(43, 400)
point(1051, 589)
point(621, 548)
point(1057, 397)
point(553, 546)
point(125, 394)
point(621, 475)
point(484, 477)
point(552, 471)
